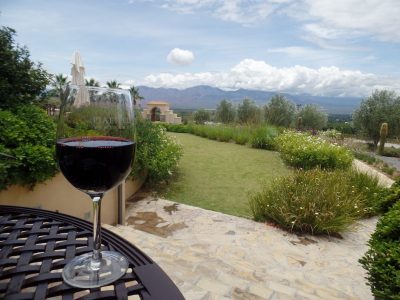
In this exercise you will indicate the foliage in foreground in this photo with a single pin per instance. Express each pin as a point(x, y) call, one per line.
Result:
point(316, 201)
point(382, 260)
point(157, 153)
point(27, 136)
point(301, 150)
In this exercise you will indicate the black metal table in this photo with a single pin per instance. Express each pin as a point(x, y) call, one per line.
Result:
point(36, 244)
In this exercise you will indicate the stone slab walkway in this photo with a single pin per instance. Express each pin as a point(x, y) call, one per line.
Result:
point(210, 255)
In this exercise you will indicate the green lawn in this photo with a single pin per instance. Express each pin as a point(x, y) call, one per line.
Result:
point(219, 176)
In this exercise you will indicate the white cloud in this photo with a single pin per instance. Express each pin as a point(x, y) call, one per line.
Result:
point(238, 11)
point(327, 19)
point(324, 19)
point(180, 57)
point(253, 74)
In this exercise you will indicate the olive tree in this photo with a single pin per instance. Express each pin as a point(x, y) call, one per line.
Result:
point(248, 112)
point(201, 116)
point(226, 112)
point(280, 111)
point(312, 117)
point(382, 106)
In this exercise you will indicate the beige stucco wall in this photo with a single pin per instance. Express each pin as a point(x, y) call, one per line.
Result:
point(170, 116)
point(58, 194)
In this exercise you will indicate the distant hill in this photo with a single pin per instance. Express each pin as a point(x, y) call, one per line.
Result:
point(208, 97)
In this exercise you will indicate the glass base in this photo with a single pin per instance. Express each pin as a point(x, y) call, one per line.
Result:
point(80, 273)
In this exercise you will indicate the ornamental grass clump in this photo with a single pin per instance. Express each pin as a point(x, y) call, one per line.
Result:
point(316, 201)
point(301, 150)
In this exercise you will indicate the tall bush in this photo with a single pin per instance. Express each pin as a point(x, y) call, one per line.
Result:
point(156, 153)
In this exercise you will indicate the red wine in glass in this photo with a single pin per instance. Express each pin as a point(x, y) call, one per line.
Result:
point(95, 164)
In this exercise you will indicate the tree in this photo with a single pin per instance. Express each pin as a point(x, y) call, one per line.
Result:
point(226, 112)
point(248, 112)
point(312, 117)
point(92, 82)
point(135, 95)
point(21, 80)
point(59, 83)
point(280, 111)
point(27, 134)
point(113, 84)
point(382, 106)
point(201, 116)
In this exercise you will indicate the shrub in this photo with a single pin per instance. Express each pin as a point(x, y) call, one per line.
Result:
point(382, 260)
point(388, 198)
point(391, 152)
point(263, 137)
point(301, 150)
point(240, 137)
point(156, 152)
point(27, 136)
point(315, 201)
point(364, 157)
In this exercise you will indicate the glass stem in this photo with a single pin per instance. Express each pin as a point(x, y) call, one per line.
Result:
point(96, 258)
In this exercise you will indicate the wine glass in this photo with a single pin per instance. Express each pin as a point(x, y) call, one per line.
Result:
point(95, 149)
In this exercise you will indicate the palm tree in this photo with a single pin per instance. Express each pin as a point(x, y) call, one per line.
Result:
point(113, 84)
point(59, 84)
point(135, 95)
point(92, 82)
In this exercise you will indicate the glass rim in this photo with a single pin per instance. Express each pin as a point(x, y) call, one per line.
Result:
point(98, 88)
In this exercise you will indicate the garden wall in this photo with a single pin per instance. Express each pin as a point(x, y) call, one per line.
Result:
point(57, 194)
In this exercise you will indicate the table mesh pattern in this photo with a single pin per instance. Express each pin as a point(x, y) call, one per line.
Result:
point(35, 248)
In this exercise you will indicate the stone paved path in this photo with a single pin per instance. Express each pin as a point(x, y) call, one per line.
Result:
point(363, 167)
point(210, 255)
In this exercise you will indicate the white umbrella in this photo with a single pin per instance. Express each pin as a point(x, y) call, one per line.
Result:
point(78, 78)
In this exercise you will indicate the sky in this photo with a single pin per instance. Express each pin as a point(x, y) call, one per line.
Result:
point(319, 47)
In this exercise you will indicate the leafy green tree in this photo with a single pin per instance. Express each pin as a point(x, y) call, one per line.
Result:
point(226, 112)
point(248, 112)
point(113, 84)
point(201, 116)
point(92, 82)
point(382, 106)
point(135, 95)
point(21, 80)
point(312, 117)
point(27, 134)
point(280, 111)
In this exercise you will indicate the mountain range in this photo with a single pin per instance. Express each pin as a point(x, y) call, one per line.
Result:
point(208, 97)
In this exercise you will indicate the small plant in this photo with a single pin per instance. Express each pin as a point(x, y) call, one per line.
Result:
point(301, 150)
point(382, 139)
point(382, 260)
point(316, 201)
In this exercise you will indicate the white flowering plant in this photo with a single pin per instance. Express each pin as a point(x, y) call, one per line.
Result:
point(302, 150)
